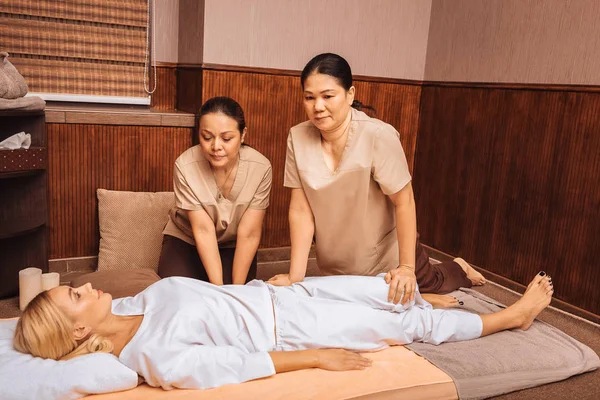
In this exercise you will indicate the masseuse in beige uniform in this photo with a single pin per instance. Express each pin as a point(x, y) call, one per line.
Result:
point(351, 189)
point(221, 193)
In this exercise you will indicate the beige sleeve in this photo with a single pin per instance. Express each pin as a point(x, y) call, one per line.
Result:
point(390, 169)
point(260, 201)
point(185, 198)
point(291, 177)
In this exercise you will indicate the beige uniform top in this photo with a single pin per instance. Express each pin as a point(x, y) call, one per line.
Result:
point(195, 188)
point(355, 225)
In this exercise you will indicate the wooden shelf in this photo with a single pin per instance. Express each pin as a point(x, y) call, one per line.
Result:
point(20, 226)
point(33, 158)
point(23, 199)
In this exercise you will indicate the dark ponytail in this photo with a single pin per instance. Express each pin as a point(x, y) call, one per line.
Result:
point(361, 107)
point(335, 66)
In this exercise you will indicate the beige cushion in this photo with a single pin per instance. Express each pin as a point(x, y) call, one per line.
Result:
point(131, 225)
point(118, 283)
point(12, 84)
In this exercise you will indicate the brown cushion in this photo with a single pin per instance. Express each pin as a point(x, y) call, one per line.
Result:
point(118, 283)
point(131, 225)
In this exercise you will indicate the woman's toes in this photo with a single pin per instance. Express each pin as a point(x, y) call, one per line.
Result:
point(536, 279)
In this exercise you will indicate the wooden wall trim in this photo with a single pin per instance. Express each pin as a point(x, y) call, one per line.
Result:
point(252, 70)
point(164, 64)
point(515, 86)
point(115, 115)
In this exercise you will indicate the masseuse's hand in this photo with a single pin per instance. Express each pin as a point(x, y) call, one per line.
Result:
point(403, 283)
point(280, 280)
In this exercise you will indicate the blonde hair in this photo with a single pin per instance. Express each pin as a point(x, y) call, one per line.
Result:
point(45, 331)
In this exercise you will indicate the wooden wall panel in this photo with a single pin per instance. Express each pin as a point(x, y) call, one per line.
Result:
point(509, 180)
point(165, 95)
point(398, 105)
point(273, 104)
point(189, 88)
point(83, 158)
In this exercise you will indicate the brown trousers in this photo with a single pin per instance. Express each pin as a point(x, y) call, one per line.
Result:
point(178, 258)
point(439, 278)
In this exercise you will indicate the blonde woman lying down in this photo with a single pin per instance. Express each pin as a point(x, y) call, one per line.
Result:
point(185, 333)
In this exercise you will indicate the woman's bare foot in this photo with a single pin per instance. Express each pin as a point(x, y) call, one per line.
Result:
point(537, 297)
point(440, 300)
point(541, 273)
point(475, 277)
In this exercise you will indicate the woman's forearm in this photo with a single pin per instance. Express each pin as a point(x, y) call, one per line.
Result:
point(329, 359)
point(208, 250)
point(302, 230)
point(245, 250)
point(286, 361)
point(406, 229)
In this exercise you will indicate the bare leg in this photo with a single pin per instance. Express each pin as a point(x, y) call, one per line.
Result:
point(523, 312)
point(475, 277)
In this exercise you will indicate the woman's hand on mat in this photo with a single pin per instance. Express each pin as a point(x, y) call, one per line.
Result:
point(403, 283)
point(281, 280)
point(341, 360)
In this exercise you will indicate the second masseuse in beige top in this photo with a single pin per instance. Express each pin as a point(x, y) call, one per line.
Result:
point(221, 194)
point(328, 105)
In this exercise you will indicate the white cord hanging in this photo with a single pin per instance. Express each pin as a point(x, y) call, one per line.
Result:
point(150, 52)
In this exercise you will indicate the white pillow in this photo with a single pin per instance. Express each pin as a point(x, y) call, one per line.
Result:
point(23, 376)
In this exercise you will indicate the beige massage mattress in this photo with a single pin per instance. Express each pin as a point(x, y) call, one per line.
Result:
point(396, 373)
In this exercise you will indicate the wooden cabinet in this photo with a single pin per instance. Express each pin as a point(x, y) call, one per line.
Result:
point(23, 199)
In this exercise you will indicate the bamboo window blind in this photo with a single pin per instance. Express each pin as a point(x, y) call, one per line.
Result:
point(84, 47)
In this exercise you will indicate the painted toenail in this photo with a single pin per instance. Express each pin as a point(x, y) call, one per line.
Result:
point(542, 273)
point(462, 303)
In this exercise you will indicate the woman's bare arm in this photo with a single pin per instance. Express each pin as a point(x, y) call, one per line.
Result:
point(406, 228)
point(329, 359)
point(205, 237)
point(248, 239)
point(302, 230)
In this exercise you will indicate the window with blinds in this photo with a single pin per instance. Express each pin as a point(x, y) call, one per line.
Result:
point(77, 47)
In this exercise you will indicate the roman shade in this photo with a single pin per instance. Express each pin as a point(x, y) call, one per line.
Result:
point(81, 47)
